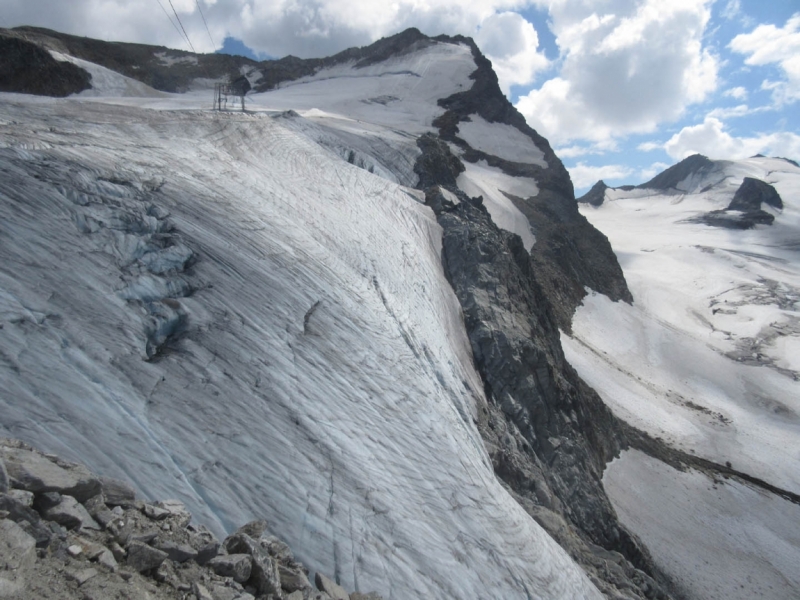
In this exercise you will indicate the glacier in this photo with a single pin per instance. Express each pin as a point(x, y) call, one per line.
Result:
point(220, 307)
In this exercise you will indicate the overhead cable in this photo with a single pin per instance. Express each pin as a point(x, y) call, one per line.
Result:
point(182, 27)
point(213, 45)
point(170, 18)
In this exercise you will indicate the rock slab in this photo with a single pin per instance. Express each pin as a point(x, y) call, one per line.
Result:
point(35, 472)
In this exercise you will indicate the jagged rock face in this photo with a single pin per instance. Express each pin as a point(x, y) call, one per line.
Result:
point(752, 193)
point(548, 434)
point(596, 195)
point(436, 165)
point(569, 253)
point(28, 69)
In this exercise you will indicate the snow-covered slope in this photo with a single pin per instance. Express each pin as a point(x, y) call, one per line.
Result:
point(706, 358)
point(221, 308)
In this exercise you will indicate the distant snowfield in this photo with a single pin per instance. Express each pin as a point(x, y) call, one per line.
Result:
point(720, 539)
point(706, 358)
point(322, 378)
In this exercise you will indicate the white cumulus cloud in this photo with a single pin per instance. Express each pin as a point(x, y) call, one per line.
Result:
point(584, 176)
point(511, 43)
point(305, 28)
point(711, 139)
point(739, 93)
point(768, 44)
point(628, 65)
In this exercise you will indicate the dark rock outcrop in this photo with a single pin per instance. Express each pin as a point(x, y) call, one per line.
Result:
point(436, 165)
point(752, 193)
point(29, 69)
point(595, 196)
point(547, 433)
point(744, 211)
point(737, 220)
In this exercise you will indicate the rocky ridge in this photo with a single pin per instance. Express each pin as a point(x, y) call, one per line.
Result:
point(570, 254)
point(175, 71)
point(688, 175)
point(66, 533)
point(548, 434)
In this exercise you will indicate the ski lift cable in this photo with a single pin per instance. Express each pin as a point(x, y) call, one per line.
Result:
point(182, 27)
point(170, 19)
point(213, 45)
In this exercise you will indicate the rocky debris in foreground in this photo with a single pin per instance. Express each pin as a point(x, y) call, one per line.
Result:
point(68, 534)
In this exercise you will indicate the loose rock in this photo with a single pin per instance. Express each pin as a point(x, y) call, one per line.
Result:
point(207, 552)
point(156, 513)
point(265, 569)
point(72, 515)
point(106, 558)
point(201, 593)
point(143, 558)
point(117, 493)
point(82, 576)
point(238, 566)
point(177, 552)
point(333, 589)
point(293, 580)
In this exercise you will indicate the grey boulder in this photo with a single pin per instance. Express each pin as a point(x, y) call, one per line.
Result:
point(333, 589)
point(71, 514)
point(293, 580)
point(265, 577)
point(179, 553)
point(33, 471)
point(142, 557)
point(117, 492)
point(238, 566)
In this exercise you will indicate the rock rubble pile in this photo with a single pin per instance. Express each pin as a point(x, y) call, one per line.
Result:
point(66, 533)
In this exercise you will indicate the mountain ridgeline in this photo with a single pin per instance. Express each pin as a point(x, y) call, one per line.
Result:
point(698, 174)
point(547, 433)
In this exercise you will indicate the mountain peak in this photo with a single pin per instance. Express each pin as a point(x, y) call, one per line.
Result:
point(677, 174)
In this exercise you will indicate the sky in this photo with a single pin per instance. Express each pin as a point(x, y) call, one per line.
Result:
point(621, 88)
